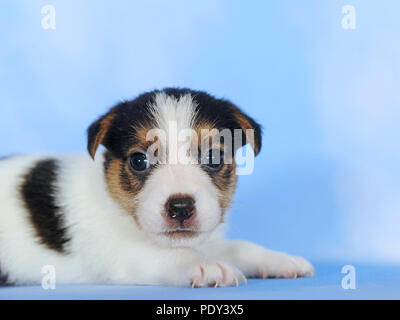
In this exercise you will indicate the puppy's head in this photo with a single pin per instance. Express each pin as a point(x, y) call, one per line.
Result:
point(170, 160)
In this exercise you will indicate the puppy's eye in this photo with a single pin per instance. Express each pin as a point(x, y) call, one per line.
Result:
point(138, 161)
point(214, 159)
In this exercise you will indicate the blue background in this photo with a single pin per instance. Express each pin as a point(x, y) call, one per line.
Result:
point(327, 182)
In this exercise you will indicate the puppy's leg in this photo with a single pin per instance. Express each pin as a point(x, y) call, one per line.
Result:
point(175, 267)
point(257, 262)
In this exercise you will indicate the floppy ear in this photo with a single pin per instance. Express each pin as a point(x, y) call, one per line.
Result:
point(97, 132)
point(246, 123)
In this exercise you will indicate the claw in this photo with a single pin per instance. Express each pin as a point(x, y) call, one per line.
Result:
point(194, 284)
point(216, 284)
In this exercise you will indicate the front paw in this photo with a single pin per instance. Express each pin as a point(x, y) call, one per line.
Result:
point(214, 274)
point(281, 265)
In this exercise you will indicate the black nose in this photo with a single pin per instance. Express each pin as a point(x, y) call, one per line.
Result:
point(180, 208)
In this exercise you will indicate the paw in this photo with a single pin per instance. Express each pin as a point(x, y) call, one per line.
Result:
point(215, 274)
point(281, 265)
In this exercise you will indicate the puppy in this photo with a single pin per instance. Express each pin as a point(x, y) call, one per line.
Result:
point(137, 213)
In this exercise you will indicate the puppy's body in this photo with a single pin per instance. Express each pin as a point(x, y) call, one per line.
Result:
point(108, 221)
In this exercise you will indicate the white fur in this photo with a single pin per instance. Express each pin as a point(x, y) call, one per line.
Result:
point(107, 245)
point(175, 179)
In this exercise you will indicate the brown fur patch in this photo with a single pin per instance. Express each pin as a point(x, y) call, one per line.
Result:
point(245, 124)
point(121, 184)
point(225, 180)
point(104, 126)
point(213, 138)
point(140, 134)
point(202, 125)
point(142, 144)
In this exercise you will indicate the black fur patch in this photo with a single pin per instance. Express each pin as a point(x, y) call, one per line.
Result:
point(38, 192)
point(4, 279)
point(220, 112)
point(127, 116)
point(136, 113)
point(125, 180)
point(107, 161)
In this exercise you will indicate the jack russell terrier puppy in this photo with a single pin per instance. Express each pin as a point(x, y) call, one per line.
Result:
point(137, 213)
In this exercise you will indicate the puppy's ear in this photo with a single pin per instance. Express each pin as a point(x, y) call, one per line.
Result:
point(246, 123)
point(98, 131)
